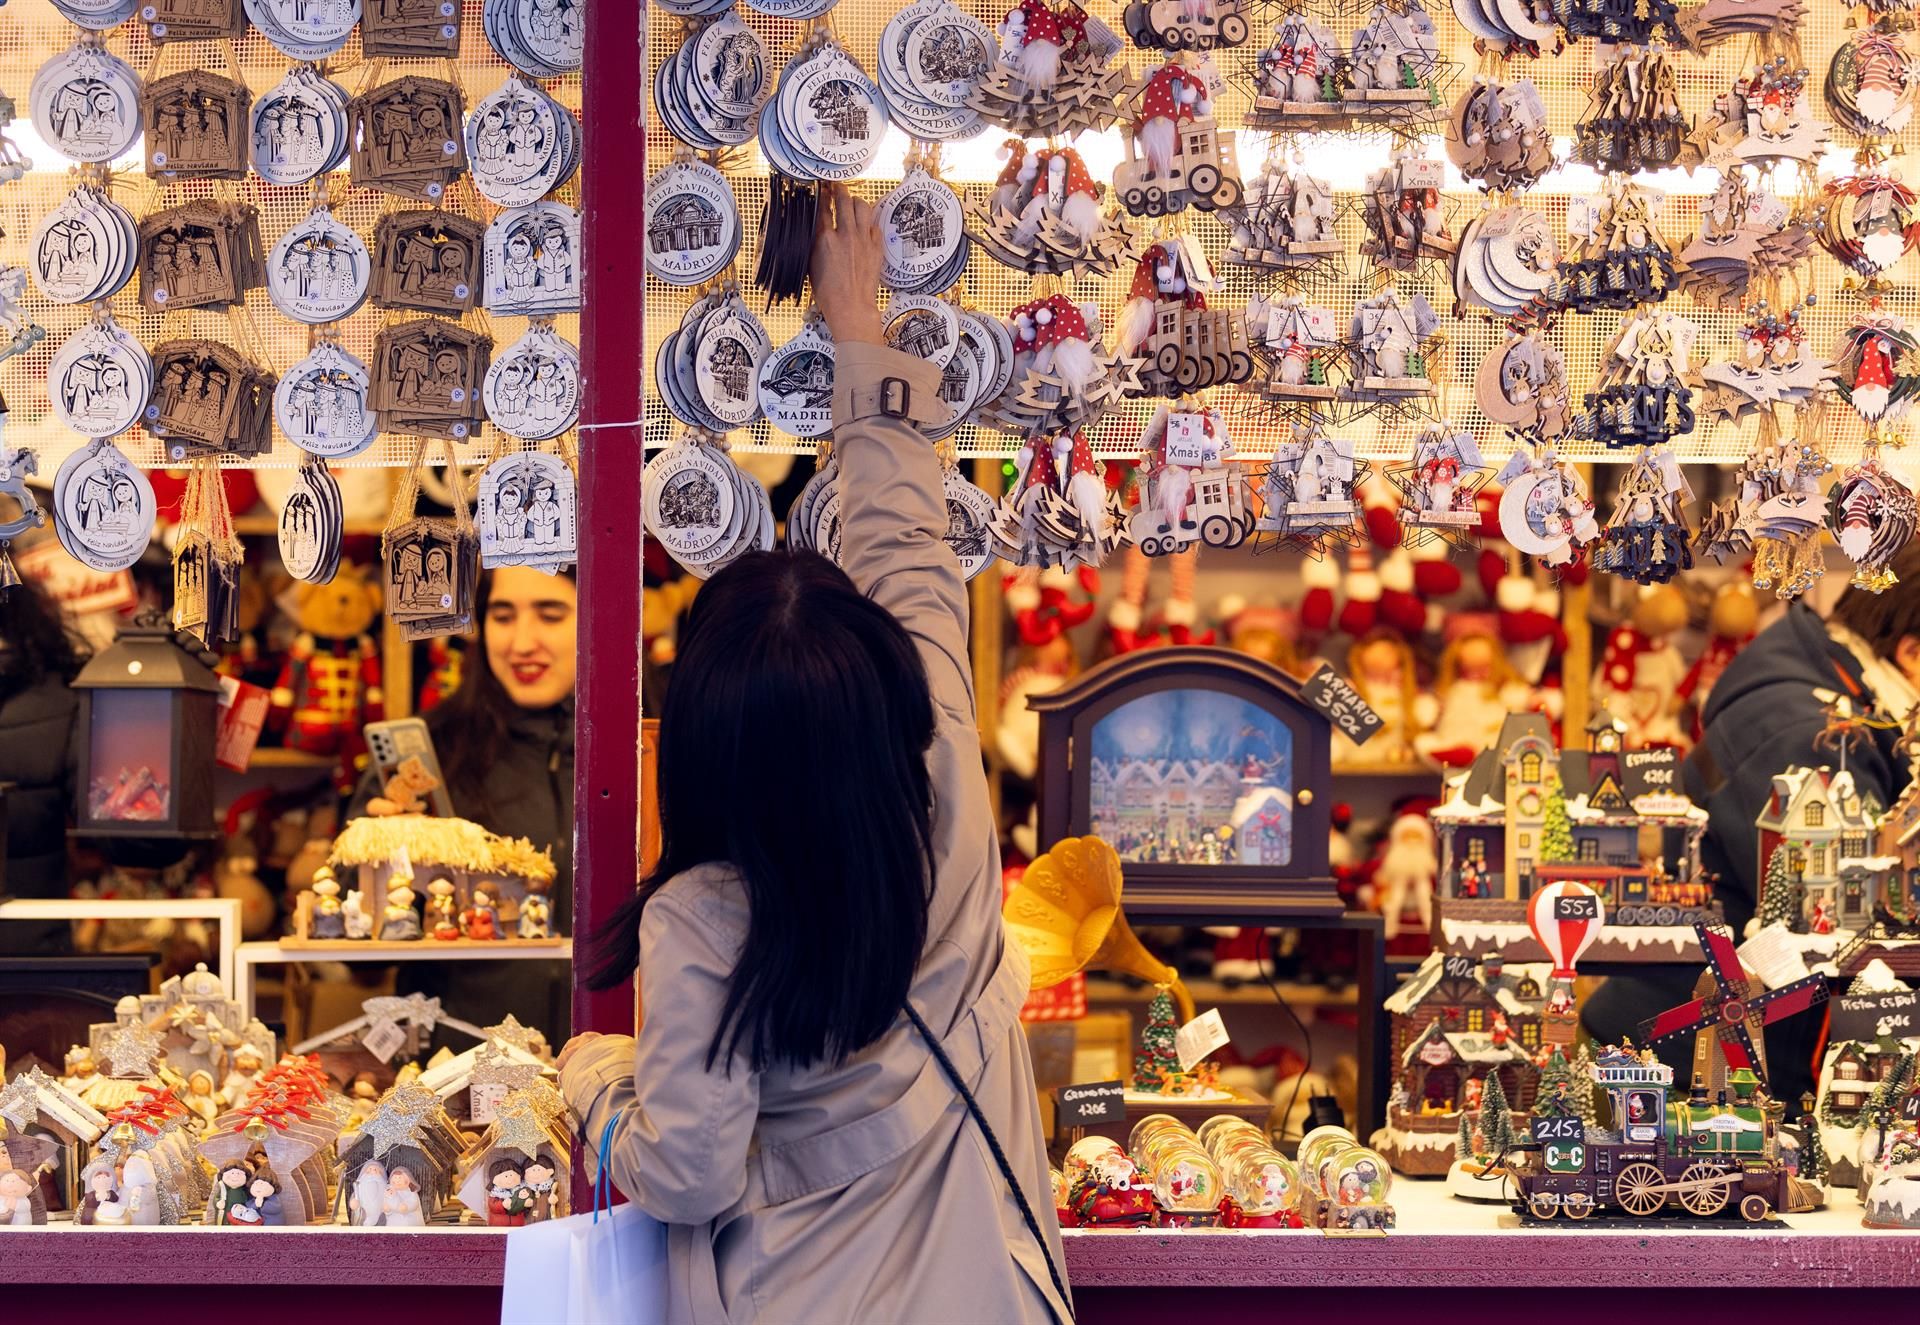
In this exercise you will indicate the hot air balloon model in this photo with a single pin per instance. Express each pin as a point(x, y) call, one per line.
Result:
point(1566, 917)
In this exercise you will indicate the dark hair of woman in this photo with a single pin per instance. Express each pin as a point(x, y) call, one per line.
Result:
point(35, 642)
point(471, 723)
point(793, 746)
point(1884, 619)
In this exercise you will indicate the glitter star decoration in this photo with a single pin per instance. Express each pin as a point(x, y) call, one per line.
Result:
point(397, 1119)
point(512, 1032)
point(491, 1066)
point(20, 1101)
point(523, 1118)
point(130, 1050)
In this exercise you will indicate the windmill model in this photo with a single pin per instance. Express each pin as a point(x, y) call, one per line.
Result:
point(1729, 1013)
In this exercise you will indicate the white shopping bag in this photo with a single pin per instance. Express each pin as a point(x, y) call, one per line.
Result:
point(604, 1268)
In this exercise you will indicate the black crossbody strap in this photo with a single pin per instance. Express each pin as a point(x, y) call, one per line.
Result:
point(999, 1155)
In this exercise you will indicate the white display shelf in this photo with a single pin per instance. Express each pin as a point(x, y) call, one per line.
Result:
point(250, 955)
point(223, 911)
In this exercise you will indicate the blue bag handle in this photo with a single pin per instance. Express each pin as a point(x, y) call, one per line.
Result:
point(603, 1185)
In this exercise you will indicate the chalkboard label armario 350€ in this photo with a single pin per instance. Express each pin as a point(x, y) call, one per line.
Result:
point(1335, 696)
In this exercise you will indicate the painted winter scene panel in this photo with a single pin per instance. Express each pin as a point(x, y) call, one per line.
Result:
point(1193, 777)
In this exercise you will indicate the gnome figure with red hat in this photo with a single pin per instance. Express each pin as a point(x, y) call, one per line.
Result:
point(1159, 277)
point(1031, 41)
point(1172, 96)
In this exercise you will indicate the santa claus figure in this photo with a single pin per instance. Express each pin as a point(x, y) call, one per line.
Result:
point(1403, 882)
point(1173, 96)
point(1873, 379)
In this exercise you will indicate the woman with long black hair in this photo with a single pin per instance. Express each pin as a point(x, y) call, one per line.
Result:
point(830, 1101)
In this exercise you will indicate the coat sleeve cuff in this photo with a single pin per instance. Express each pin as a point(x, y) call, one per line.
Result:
point(860, 364)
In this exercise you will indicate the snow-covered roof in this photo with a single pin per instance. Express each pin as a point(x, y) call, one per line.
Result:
point(1876, 977)
point(1250, 802)
point(1430, 972)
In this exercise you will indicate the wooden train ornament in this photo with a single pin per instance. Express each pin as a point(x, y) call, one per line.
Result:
point(1185, 25)
point(1176, 155)
point(1714, 1152)
point(1186, 345)
point(1194, 493)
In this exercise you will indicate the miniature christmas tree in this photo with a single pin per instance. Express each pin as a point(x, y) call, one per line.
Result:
point(1813, 1154)
point(1779, 897)
point(1416, 364)
point(1556, 1084)
point(1556, 830)
point(1156, 1065)
point(1581, 1093)
point(1496, 1119)
point(1329, 85)
point(1463, 1144)
point(1893, 1086)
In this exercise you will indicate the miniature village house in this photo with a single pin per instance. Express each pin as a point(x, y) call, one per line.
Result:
point(1818, 818)
point(1526, 813)
point(1898, 848)
point(1455, 1022)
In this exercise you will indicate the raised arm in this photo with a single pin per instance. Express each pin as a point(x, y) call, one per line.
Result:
point(893, 511)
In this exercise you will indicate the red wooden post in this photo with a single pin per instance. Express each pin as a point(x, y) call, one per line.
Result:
point(607, 761)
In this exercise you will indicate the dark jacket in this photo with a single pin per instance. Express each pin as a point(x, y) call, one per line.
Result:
point(527, 791)
point(1761, 719)
point(38, 730)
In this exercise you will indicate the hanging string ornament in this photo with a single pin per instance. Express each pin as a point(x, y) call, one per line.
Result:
point(1703, 27)
point(1619, 259)
point(1404, 213)
point(1523, 386)
point(1298, 345)
point(1546, 510)
point(206, 560)
point(1628, 21)
point(1388, 341)
point(1286, 223)
point(17, 464)
point(1773, 363)
point(1776, 515)
point(1060, 512)
point(1165, 322)
point(1045, 216)
point(1510, 27)
point(1177, 155)
point(1641, 396)
point(1310, 493)
point(1871, 515)
point(1299, 83)
point(1438, 486)
point(1497, 134)
point(1875, 362)
point(1646, 539)
point(1063, 377)
point(1765, 117)
point(1745, 235)
point(1194, 491)
point(1055, 74)
point(1633, 120)
point(1872, 83)
point(1868, 222)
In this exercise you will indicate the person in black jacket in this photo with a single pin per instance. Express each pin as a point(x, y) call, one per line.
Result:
point(505, 742)
point(39, 722)
point(1763, 717)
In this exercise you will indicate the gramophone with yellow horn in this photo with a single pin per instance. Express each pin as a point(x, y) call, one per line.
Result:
point(1065, 914)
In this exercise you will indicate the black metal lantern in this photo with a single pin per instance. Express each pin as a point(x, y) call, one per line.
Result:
point(148, 712)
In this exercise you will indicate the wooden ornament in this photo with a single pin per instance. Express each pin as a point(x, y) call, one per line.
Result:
point(410, 29)
point(407, 137)
point(196, 125)
point(194, 20)
point(209, 398)
point(202, 254)
point(428, 261)
point(427, 376)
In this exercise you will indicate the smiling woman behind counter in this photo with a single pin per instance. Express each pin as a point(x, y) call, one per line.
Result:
point(505, 742)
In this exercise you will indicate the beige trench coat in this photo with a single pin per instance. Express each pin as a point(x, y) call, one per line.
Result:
point(862, 1192)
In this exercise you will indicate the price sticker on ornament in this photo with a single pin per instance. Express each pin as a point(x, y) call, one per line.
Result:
point(383, 1040)
point(1335, 696)
point(484, 1100)
point(1198, 1038)
point(1092, 1102)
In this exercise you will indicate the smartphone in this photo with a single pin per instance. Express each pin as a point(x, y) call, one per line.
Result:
point(393, 743)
